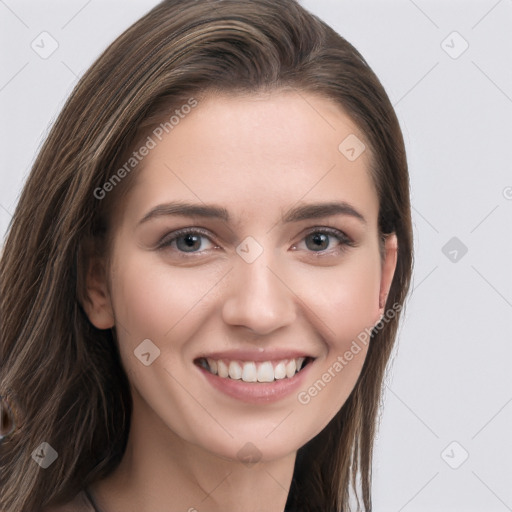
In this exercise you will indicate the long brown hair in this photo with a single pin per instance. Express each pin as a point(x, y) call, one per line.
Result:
point(62, 377)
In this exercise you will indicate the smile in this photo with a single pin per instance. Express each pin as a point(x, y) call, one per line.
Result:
point(254, 371)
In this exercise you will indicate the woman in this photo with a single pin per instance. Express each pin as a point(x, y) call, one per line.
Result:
point(204, 275)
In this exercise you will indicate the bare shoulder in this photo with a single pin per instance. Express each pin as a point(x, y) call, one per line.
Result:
point(79, 503)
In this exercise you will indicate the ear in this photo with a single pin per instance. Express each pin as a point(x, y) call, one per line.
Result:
point(388, 270)
point(97, 303)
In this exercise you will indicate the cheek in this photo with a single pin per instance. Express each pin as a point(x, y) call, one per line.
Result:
point(343, 307)
point(344, 299)
point(153, 301)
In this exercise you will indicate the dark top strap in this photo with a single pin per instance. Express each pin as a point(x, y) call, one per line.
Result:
point(91, 500)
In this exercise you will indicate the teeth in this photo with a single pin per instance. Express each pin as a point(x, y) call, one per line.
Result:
point(291, 368)
point(280, 371)
point(251, 371)
point(222, 369)
point(235, 370)
point(266, 372)
point(213, 365)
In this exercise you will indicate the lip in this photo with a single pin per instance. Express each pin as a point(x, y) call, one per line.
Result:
point(256, 392)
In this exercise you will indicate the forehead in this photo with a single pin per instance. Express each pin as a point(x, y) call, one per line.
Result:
point(251, 153)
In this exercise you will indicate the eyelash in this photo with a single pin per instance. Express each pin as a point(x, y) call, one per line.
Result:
point(344, 240)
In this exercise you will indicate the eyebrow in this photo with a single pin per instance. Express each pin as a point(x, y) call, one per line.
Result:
point(186, 210)
point(296, 214)
point(319, 210)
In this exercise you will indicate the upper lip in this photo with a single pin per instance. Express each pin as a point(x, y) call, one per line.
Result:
point(256, 355)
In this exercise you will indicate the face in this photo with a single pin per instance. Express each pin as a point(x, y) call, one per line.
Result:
point(246, 255)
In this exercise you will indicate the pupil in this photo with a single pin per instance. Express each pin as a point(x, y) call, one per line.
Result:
point(319, 241)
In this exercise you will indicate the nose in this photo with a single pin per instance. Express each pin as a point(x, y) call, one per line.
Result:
point(258, 298)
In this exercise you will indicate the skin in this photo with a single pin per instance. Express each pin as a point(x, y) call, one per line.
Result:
point(257, 156)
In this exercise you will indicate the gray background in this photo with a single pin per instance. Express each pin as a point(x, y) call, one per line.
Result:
point(449, 389)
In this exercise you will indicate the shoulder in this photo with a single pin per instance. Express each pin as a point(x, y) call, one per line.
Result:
point(79, 503)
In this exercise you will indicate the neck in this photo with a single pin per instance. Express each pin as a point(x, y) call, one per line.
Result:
point(160, 472)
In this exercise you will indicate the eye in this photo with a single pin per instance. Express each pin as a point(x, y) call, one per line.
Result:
point(187, 241)
point(324, 239)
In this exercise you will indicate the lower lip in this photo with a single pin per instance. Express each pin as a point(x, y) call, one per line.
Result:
point(257, 392)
